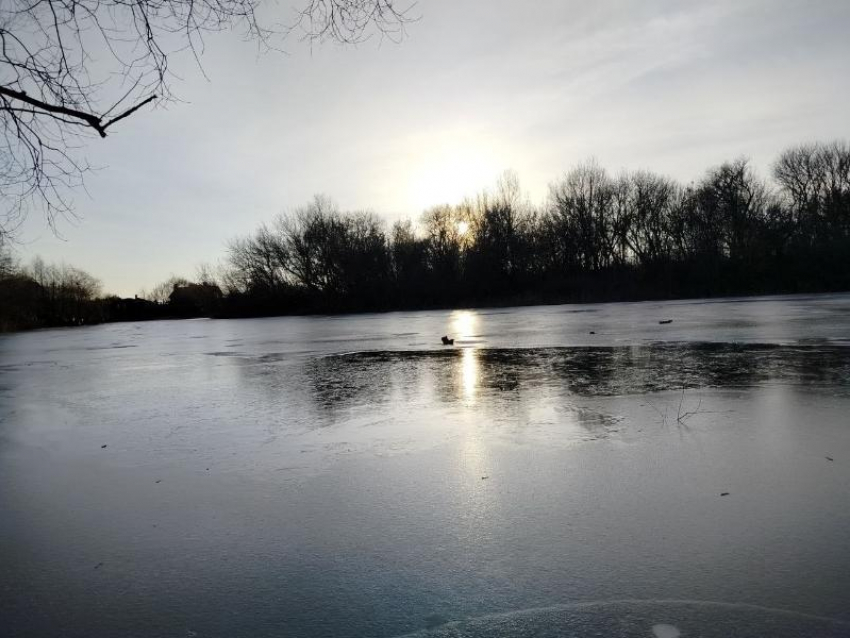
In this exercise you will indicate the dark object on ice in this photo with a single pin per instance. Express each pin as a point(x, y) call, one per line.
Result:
point(98, 566)
point(592, 332)
point(484, 478)
point(829, 458)
point(666, 321)
point(159, 480)
point(724, 493)
point(103, 446)
point(446, 341)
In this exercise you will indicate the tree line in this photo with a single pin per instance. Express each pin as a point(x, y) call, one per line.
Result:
point(42, 295)
point(597, 237)
point(46, 295)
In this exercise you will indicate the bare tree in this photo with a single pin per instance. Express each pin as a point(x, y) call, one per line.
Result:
point(498, 243)
point(643, 209)
point(815, 181)
point(256, 262)
point(581, 203)
point(7, 261)
point(162, 291)
point(734, 201)
point(353, 21)
point(73, 69)
point(445, 241)
point(66, 291)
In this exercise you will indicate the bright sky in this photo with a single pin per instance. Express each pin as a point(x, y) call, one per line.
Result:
point(477, 87)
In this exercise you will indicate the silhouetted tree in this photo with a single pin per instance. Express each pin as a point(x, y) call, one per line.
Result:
point(581, 208)
point(161, 293)
point(444, 241)
point(410, 271)
point(500, 254)
point(735, 202)
point(72, 69)
point(65, 293)
point(645, 205)
point(7, 261)
point(194, 300)
point(815, 180)
point(257, 263)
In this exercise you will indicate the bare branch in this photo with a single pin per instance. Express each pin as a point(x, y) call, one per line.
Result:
point(67, 65)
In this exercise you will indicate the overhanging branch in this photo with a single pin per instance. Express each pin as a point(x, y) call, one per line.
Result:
point(94, 121)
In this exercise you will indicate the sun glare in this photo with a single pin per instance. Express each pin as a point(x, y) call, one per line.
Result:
point(462, 228)
point(450, 169)
point(464, 324)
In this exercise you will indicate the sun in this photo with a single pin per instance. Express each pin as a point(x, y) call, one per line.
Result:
point(448, 167)
point(462, 228)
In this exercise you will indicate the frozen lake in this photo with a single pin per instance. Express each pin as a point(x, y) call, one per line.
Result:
point(562, 470)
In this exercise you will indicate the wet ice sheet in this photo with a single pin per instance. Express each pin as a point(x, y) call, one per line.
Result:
point(638, 619)
point(263, 414)
point(491, 520)
point(773, 320)
point(467, 373)
point(295, 477)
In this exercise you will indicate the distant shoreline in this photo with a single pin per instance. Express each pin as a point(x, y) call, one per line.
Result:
point(522, 301)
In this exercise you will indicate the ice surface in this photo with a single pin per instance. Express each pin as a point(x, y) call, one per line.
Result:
point(666, 631)
point(627, 619)
point(349, 476)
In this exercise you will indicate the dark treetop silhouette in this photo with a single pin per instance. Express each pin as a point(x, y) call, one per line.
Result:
point(597, 237)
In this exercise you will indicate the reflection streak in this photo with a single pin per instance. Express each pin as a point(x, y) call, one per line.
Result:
point(469, 376)
point(464, 324)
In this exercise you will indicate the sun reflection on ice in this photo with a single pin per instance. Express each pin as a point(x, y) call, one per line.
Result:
point(469, 373)
point(464, 327)
point(464, 324)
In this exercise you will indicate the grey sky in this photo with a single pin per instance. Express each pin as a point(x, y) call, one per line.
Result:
point(477, 87)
